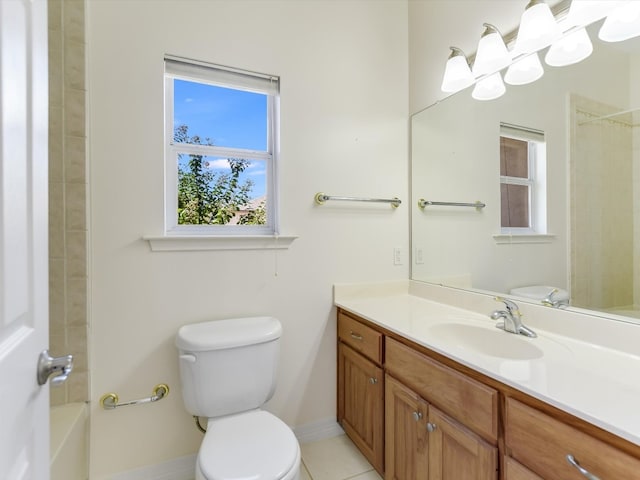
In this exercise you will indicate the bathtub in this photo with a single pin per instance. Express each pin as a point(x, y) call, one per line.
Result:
point(69, 437)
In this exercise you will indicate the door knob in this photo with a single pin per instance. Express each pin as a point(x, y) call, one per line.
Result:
point(59, 366)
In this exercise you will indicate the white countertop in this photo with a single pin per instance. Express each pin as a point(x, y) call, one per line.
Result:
point(591, 380)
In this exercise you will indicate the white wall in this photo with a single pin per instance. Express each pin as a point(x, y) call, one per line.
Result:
point(344, 79)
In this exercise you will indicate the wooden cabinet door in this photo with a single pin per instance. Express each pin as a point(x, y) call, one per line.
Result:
point(361, 403)
point(406, 442)
point(457, 452)
point(514, 470)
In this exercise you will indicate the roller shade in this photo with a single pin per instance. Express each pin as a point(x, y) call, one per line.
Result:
point(218, 75)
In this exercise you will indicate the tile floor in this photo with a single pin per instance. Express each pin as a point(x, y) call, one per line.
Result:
point(335, 458)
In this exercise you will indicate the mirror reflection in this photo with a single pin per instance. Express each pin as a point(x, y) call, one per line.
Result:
point(556, 164)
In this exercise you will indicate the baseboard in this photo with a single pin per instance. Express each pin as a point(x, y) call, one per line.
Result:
point(314, 431)
point(182, 468)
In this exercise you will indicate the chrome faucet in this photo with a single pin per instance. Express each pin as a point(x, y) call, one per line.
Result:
point(548, 301)
point(512, 322)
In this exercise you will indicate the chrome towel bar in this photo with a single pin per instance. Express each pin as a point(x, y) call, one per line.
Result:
point(109, 401)
point(424, 203)
point(321, 198)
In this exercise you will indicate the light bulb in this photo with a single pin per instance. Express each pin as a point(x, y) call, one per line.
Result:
point(571, 49)
point(492, 54)
point(526, 70)
point(489, 88)
point(622, 23)
point(538, 28)
point(585, 12)
point(457, 74)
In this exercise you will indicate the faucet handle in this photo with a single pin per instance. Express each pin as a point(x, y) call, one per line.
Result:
point(512, 306)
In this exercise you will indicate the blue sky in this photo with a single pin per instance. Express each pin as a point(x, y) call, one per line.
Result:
point(230, 118)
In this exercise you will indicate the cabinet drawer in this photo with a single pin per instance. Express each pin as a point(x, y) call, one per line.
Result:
point(468, 401)
point(542, 444)
point(360, 337)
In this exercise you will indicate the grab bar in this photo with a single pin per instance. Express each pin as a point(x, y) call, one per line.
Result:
point(477, 205)
point(109, 401)
point(321, 198)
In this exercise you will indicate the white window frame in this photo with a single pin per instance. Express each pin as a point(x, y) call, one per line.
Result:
point(537, 179)
point(202, 72)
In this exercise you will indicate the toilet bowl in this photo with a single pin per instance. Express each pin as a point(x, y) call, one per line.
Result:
point(227, 373)
point(255, 445)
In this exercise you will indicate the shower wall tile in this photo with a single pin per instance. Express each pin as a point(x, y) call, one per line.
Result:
point(57, 318)
point(75, 206)
point(77, 346)
point(68, 185)
point(74, 160)
point(76, 302)
point(73, 21)
point(76, 253)
point(56, 71)
point(54, 11)
point(74, 112)
point(56, 145)
point(74, 65)
point(57, 395)
point(56, 220)
point(77, 385)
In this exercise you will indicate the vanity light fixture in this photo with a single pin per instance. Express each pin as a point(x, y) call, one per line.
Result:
point(622, 23)
point(457, 73)
point(526, 70)
point(568, 43)
point(571, 49)
point(492, 53)
point(538, 28)
point(489, 88)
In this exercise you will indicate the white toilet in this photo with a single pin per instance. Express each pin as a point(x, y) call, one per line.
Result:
point(228, 371)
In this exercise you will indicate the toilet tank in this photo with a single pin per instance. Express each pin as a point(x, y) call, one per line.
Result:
point(228, 366)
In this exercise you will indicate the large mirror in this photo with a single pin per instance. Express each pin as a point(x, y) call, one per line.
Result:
point(581, 124)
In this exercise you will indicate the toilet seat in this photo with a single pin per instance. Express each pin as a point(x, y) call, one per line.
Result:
point(253, 445)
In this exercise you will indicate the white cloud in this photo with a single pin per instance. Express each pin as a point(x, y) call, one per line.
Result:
point(220, 163)
point(257, 172)
point(188, 100)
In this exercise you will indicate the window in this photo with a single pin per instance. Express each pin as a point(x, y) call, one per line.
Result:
point(523, 202)
point(221, 129)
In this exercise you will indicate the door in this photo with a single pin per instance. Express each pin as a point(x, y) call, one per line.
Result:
point(363, 407)
point(457, 452)
point(24, 405)
point(406, 439)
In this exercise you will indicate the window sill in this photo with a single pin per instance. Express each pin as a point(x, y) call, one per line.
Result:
point(501, 238)
point(191, 243)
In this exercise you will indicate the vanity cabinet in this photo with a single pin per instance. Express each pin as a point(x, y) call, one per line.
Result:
point(361, 388)
point(417, 415)
point(423, 442)
point(516, 471)
point(542, 443)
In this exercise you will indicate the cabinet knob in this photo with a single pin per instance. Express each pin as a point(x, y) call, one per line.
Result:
point(574, 463)
point(417, 416)
point(431, 427)
point(373, 381)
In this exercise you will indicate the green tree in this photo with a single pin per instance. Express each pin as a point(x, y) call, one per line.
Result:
point(205, 196)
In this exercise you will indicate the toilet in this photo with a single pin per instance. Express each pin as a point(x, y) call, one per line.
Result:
point(228, 371)
point(542, 292)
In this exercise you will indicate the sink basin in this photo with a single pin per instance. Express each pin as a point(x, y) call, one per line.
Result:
point(488, 341)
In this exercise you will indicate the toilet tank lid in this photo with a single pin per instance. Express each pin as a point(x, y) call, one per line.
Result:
point(229, 333)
